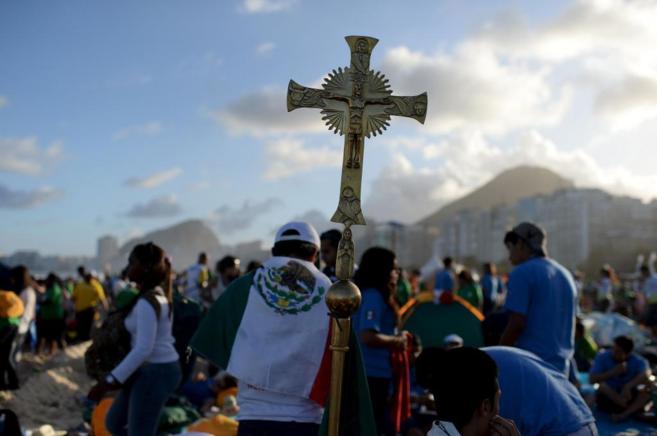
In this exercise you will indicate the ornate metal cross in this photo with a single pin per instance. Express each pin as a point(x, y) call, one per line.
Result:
point(355, 102)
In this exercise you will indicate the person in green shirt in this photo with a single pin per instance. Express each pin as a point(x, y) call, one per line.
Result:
point(470, 290)
point(51, 316)
point(125, 297)
point(404, 290)
point(585, 347)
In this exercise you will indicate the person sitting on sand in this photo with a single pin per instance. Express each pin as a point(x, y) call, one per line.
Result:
point(619, 372)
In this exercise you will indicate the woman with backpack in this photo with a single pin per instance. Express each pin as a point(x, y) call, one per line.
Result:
point(150, 372)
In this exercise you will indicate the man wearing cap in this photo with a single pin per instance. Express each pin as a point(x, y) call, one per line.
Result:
point(541, 300)
point(270, 330)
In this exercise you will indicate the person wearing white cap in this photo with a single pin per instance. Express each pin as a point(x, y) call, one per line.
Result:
point(452, 341)
point(269, 330)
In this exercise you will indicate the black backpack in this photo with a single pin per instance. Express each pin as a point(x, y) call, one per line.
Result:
point(111, 342)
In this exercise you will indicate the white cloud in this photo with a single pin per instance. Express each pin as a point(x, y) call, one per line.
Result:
point(149, 129)
point(154, 180)
point(622, 28)
point(159, 207)
point(405, 192)
point(609, 44)
point(4, 101)
point(229, 220)
point(264, 113)
point(286, 157)
point(474, 89)
point(629, 102)
point(265, 48)
point(25, 156)
point(19, 199)
point(265, 6)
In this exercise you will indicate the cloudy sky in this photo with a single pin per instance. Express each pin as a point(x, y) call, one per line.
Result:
point(121, 117)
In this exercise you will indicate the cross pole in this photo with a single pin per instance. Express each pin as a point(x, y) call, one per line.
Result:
point(355, 102)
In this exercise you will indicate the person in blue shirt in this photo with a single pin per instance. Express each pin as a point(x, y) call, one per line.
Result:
point(491, 285)
point(375, 324)
point(619, 373)
point(445, 280)
point(532, 397)
point(541, 299)
point(537, 397)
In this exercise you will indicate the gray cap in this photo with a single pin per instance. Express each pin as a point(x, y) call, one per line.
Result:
point(533, 236)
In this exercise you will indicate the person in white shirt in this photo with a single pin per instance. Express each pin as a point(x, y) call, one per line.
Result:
point(120, 283)
point(198, 277)
point(605, 289)
point(649, 293)
point(23, 285)
point(27, 293)
point(227, 269)
point(150, 372)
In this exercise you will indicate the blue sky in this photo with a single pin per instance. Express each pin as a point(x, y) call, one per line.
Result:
point(122, 117)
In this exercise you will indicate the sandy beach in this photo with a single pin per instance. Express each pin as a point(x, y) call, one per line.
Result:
point(51, 390)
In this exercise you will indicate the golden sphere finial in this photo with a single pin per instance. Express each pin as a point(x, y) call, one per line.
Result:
point(343, 298)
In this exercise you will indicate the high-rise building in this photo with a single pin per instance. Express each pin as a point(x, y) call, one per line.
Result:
point(107, 249)
point(585, 228)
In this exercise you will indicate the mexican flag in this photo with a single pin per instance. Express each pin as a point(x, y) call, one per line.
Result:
point(271, 329)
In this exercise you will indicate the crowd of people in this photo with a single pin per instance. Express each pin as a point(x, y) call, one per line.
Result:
point(250, 345)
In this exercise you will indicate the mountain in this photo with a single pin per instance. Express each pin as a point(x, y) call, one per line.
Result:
point(504, 190)
point(183, 242)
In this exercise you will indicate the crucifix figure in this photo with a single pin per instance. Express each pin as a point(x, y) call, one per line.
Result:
point(355, 102)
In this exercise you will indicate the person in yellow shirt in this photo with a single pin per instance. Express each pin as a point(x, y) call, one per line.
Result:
point(88, 294)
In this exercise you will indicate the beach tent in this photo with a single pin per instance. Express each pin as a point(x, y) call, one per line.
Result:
point(604, 327)
point(431, 322)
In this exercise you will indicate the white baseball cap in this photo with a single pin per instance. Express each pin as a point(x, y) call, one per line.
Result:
point(453, 339)
point(298, 231)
